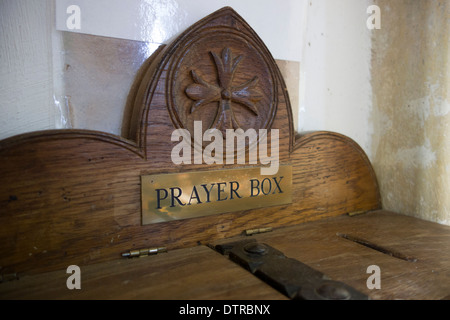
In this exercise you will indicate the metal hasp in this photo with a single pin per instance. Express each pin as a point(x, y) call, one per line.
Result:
point(291, 277)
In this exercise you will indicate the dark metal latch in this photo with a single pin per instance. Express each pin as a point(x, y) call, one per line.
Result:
point(291, 277)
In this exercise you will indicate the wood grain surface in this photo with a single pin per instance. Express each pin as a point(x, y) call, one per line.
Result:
point(186, 274)
point(76, 199)
point(202, 273)
point(425, 275)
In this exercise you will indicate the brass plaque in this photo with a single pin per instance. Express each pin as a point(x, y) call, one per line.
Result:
point(176, 196)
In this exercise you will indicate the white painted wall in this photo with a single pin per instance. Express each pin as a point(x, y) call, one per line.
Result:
point(335, 89)
point(26, 69)
point(158, 21)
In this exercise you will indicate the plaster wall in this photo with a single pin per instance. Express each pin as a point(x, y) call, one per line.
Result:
point(411, 109)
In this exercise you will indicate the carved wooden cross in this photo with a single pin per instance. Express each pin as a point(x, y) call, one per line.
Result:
point(245, 94)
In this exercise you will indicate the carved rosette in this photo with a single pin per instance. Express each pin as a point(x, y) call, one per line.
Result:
point(223, 76)
point(227, 95)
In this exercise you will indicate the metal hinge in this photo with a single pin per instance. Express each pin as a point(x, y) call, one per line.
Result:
point(250, 232)
point(8, 277)
point(143, 252)
point(291, 277)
